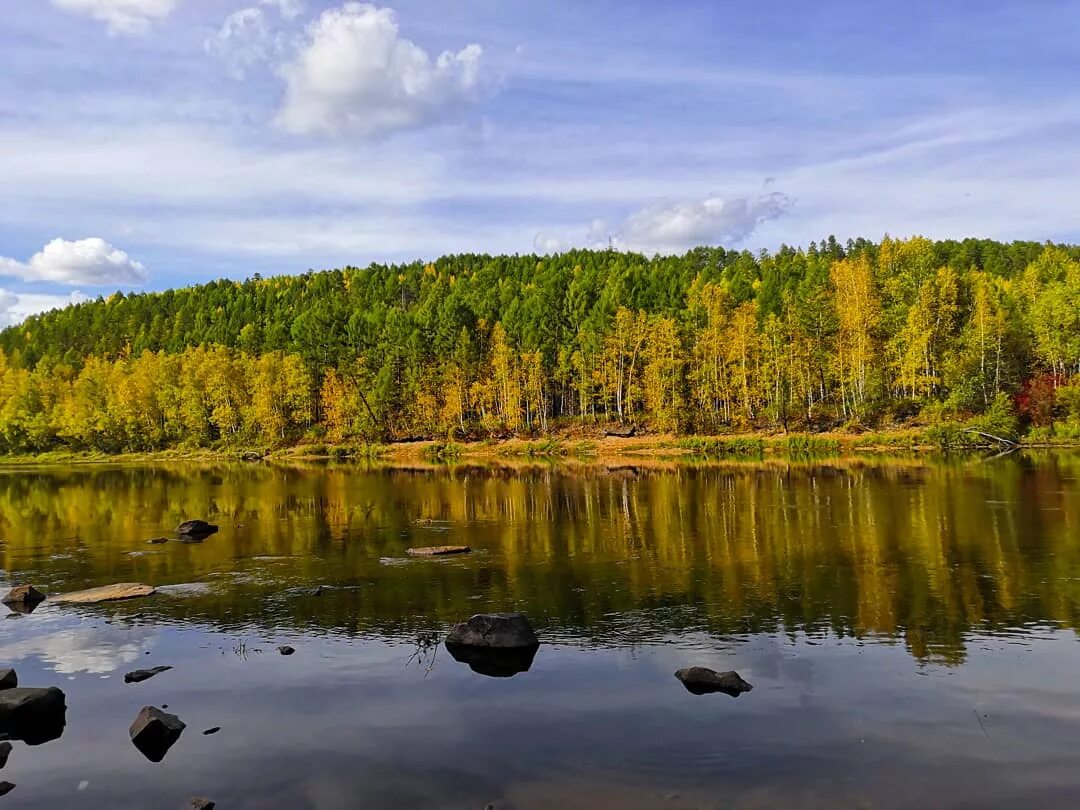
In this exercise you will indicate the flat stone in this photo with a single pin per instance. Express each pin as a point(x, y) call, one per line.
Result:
point(106, 593)
point(5, 752)
point(437, 551)
point(703, 681)
point(497, 630)
point(154, 732)
point(23, 595)
point(201, 804)
point(8, 679)
point(212, 730)
point(33, 715)
point(140, 675)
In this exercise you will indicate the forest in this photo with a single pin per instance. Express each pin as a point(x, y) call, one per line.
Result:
point(854, 336)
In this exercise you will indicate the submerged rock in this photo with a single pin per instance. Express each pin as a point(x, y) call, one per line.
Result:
point(196, 528)
point(494, 630)
point(201, 804)
point(154, 732)
point(212, 730)
point(157, 541)
point(703, 681)
point(6, 788)
point(285, 649)
point(23, 596)
point(34, 716)
point(5, 752)
point(140, 675)
point(106, 593)
point(437, 551)
point(8, 679)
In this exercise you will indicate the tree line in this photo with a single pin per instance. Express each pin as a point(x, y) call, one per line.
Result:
point(851, 335)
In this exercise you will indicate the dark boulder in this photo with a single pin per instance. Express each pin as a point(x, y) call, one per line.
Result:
point(503, 631)
point(212, 730)
point(34, 716)
point(285, 649)
point(196, 528)
point(201, 804)
point(23, 597)
point(6, 788)
point(157, 541)
point(140, 675)
point(8, 679)
point(154, 732)
point(703, 681)
point(5, 752)
point(498, 645)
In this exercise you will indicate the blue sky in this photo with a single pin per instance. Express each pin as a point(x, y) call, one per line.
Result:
point(154, 143)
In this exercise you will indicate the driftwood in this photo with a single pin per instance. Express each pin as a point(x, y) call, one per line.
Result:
point(107, 593)
point(437, 551)
point(1002, 441)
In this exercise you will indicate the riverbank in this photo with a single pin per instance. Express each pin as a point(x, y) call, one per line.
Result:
point(578, 449)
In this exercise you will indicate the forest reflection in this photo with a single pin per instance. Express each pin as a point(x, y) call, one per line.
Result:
point(917, 552)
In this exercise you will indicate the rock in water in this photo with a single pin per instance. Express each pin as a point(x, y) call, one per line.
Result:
point(154, 732)
point(5, 752)
point(498, 645)
point(201, 804)
point(437, 551)
point(140, 675)
point(212, 730)
point(6, 788)
point(25, 596)
point(33, 715)
point(157, 541)
point(504, 631)
point(196, 528)
point(8, 679)
point(106, 593)
point(703, 681)
point(285, 649)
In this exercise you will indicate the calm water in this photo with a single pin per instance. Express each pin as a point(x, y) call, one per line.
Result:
point(909, 629)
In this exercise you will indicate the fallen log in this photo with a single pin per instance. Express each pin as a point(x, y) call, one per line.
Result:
point(437, 551)
point(106, 593)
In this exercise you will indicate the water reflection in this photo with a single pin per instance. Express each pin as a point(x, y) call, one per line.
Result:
point(923, 553)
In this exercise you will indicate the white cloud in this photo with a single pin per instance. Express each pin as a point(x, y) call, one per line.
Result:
point(244, 41)
point(355, 74)
point(84, 261)
point(674, 227)
point(289, 9)
point(121, 16)
point(16, 307)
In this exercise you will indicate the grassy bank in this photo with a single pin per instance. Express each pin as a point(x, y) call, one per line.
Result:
point(576, 449)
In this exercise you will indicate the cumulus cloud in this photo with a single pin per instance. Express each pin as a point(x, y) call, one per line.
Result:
point(16, 307)
point(84, 261)
point(678, 226)
point(674, 227)
point(355, 74)
point(244, 41)
point(289, 9)
point(121, 16)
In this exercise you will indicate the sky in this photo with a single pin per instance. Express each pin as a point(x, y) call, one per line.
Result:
point(147, 144)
